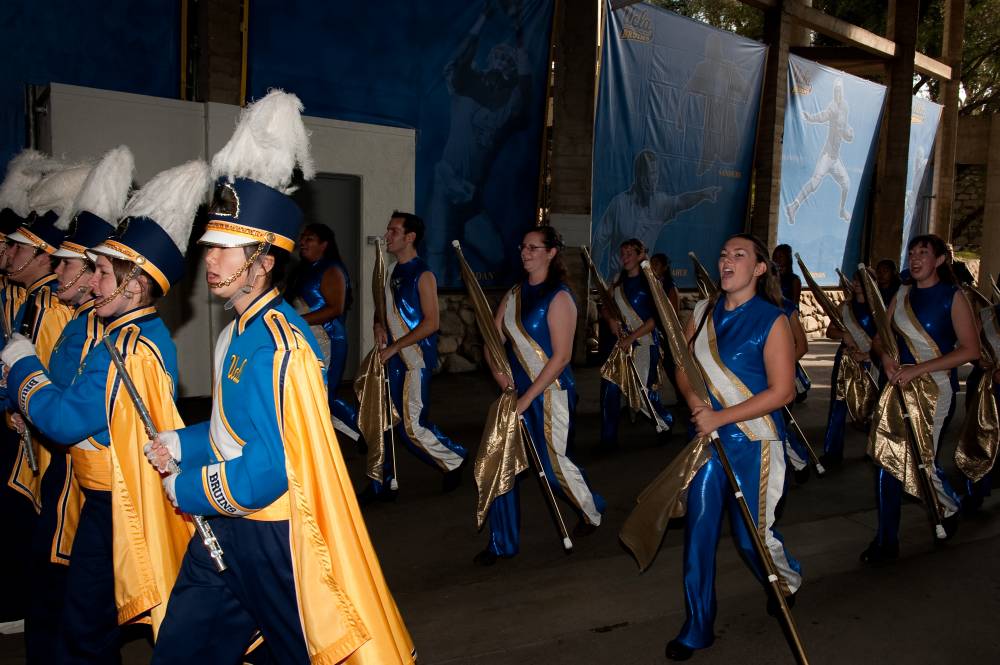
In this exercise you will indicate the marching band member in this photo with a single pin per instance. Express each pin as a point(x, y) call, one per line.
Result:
point(129, 540)
point(409, 351)
point(325, 287)
point(631, 294)
point(744, 346)
point(857, 341)
point(537, 320)
point(795, 450)
point(301, 568)
point(59, 499)
point(791, 289)
point(936, 333)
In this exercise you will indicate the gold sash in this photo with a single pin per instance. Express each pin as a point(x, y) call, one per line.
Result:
point(978, 441)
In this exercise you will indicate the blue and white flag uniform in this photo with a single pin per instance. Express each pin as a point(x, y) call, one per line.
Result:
point(550, 418)
point(409, 374)
point(730, 350)
point(634, 301)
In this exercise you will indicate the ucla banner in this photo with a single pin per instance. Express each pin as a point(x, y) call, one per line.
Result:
point(831, 132)
point(924, 119)
point(674, 136)
point(469, 76)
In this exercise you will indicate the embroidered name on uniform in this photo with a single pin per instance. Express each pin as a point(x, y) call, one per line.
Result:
point(235, 368)
point(219, 493)
point(28, 388)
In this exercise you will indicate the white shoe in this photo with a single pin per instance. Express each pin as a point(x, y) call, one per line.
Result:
point(12, 627)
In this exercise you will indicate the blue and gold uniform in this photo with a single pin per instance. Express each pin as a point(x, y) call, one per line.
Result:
point(635, 302)
point(795, 449)
point(730, 350)
point(550, 418)
point(924, 331)
point(345, 416)
point(410, 376)
point(860, 324)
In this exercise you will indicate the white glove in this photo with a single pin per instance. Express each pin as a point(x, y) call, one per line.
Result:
point(17, 348)
point(160, 450)
point(168, 487)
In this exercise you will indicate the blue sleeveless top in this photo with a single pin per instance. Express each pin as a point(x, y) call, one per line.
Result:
point(309, 291)
point(741, 335)
point(863, 314)
point(638, 295)
point(932, 307)
point(403, 283)
point(533, 319)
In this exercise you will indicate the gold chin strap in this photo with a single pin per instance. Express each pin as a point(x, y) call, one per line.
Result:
point(121, 287)
point(25, 264)
point(63, 287)
point(246, 264)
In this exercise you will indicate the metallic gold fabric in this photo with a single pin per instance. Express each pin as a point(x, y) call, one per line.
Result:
point(501, 455)
point(822, 298)
point(666, 497)
point(707, 287)
point(347, 611)
point(888, 440)
point(856, 388)
point(980, 435)
point(618, 370)
point(376, 414)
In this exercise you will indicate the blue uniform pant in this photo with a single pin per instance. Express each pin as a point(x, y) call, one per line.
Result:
point(212, 617)
point(567, 480)
point(611, 401)
point(889, 493)
point(410, 391)
point(344, 413)
point(709, 496)
point(88, 630)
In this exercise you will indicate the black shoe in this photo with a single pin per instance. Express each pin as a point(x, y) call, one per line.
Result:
point(583, 529)
point(453, 479)
point(831, 461)
point(485, 558)
point(677, 651)
point(774, 608)
point(606, 448)
point(801, 397)
point(663, 438)
point(361, 446)
point(367, 496)
point(801, 475)
point(950, 526)
point(878, 554)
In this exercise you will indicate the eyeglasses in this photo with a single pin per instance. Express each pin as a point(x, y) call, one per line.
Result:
point(531, 249)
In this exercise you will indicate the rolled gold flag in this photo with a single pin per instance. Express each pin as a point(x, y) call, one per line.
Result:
point(501, 454)
point(707, 287)
point(979, 439)
point(376, 413)
point(666, 497)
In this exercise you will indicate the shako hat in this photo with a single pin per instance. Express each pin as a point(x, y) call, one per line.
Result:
point(99, 204)
point(157, 223)
point(51, 198)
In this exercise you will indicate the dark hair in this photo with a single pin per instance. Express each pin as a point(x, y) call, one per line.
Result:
point(888, 263)
point(768, 284)
point(663, 258)
point(940, 248)
point(783, 247)
point(122, 268)
point(640, 249)
point(325, 234)
point(411, 224)
point(276, 276)
point(552, 240)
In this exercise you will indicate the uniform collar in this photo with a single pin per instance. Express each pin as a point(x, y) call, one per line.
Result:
point(263, 301)
point(40, 282)
point(129, 317)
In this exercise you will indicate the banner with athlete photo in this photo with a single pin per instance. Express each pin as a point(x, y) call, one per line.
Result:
point(924, 120)
point(673, 138)
point(827, 162)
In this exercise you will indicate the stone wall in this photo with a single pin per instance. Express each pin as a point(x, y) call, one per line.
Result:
point(967, 214)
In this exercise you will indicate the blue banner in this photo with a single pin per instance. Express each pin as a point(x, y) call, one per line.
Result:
point(674, 136)
point(469, 76)
point(924, 120)
point(831, 133)
point(124, 45)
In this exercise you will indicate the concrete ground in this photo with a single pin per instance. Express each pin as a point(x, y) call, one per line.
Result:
point(937, 604)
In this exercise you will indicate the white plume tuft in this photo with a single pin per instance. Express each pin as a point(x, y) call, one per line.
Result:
point(23, 172)
point(106, 188)
point(171, 199)
point(270, 139)
point(57, 190)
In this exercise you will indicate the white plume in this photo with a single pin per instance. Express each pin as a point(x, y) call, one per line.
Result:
point(106, 188)
point(23, 172)
point(57, 190)
point(270, 139)
point(171, 199)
